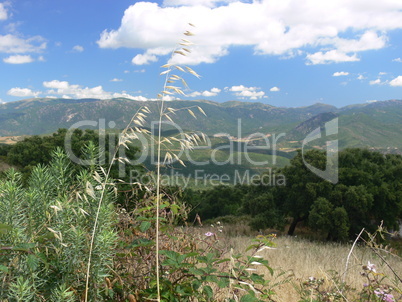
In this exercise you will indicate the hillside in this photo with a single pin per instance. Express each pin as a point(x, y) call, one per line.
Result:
point(376, 125)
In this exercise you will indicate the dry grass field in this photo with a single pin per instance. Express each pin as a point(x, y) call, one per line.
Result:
point(302, 259)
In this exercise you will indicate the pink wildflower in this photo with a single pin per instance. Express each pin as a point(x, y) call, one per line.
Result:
point(209, 234)
point(384, 296)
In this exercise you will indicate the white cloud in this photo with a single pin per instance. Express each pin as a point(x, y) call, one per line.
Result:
point(56, 84)
point(361, 77)
point(3, 12)
point(78, 48)
point(375, 82)
point(2, 102)
point(275, 89)
point(208, 3)
point(243, 92)
point(14, 44)
point(18, 59)
point(399, 60)
point(116, 80)
point(67, 90)
point(143, 59)
point(272, 27)
point(382, 73)
point(207, 93)
point(397, 82)
point(368, 41)
point(128, 96)
point(23, 92)
point(332, 56)
point(340, 73)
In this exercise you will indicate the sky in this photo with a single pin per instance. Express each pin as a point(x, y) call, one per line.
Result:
point(287, 53)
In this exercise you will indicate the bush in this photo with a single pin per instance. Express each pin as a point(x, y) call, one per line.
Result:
point(45, 233)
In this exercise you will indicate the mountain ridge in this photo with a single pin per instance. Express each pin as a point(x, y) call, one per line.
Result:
point(375, 124)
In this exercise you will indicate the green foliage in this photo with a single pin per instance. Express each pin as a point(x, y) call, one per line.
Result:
point(194, 266)
point(44, 238)
point(368, 193)
point(35, 150)
point(261, 204)
point(218, 201)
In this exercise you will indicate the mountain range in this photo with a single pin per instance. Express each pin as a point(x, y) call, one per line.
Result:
point(375, 125)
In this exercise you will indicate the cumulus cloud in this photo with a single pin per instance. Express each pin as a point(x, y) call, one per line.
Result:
point(66, 90)
point(208, 3)
point(14, 44)
point(361, 77)
point(275, 89)
point(396, 82)
point(375, 82)
point(207, 93)
point(116, 80)
point(244, 92)
point(340, 73)
point(78, 48)
point(332, 56)
point(399, 60)
point(18, 59)
point(23, 92)
point(3, 12)
point(143, 59)
point(271, 27)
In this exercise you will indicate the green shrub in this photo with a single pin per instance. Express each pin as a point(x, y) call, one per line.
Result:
point(45, 231)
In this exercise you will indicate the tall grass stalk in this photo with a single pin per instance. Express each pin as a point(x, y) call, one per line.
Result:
point(167, 90)
point(105, 184)
point(138, 119)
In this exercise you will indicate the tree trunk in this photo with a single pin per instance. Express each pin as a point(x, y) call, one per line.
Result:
point(294, 223)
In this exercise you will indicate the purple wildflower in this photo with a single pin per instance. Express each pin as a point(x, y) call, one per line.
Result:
point(384, 296)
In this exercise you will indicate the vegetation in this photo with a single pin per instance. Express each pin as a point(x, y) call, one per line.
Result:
point(44, 232)
point(35, 150)
point(71, 233)
point(368, 194)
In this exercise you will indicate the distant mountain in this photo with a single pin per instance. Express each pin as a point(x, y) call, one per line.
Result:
point(376, 125)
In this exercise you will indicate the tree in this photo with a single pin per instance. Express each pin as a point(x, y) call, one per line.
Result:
point(35, 150)
point(302, 186)
point(332, 220)
point(369, 192)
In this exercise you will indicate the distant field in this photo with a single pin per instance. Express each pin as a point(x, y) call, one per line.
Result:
point(219, 160)
point(10, 139)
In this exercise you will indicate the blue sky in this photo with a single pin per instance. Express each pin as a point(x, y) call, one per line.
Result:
point(280, 52)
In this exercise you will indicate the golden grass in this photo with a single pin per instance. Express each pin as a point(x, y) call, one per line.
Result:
point(302, 258)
